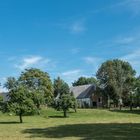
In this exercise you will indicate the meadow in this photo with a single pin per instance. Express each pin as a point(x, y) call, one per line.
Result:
point(86, 124)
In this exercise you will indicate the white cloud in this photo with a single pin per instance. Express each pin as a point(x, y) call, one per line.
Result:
point(134, 59)
point(77, 27)
point(75, 50)
point(92, 60)
point(133, 5)
point(31, 61)
point(71, 75)
point(125, 40)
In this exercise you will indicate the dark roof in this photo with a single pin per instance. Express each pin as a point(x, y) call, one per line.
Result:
point(84, 91)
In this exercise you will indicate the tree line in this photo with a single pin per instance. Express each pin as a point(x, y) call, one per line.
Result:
point(115, 80)
point(34, 89)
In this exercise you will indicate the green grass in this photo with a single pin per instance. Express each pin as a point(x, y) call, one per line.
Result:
point(86, 124)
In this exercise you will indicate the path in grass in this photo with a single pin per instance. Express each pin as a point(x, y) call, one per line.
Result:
point(87, 124)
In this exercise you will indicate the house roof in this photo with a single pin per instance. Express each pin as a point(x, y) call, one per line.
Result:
point(4, 94)
point(84, 91)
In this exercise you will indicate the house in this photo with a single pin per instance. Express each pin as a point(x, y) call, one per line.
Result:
point(87, 96)
point(5, 96)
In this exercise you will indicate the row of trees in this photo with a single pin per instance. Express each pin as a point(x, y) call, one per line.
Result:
point(117, 82)
point(32, 90)
point(115, 79)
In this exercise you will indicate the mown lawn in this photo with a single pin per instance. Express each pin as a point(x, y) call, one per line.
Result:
point(86, 124)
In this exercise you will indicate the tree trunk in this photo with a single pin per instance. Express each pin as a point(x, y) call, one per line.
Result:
point(131, 107)
point(131, 104)
point(20, 117)
point(75, 110)
point(120, 107)
point(109, 105)
point(65, 113)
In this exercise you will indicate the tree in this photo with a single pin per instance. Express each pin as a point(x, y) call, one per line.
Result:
point(60, 87)
point(85, 81)
point(113, 75)
point(1, 102)
point(20, 101)
point(1, 98)
point(136, 95)
point(73, 102)
point(64, 99)
point(64, 103)
point(38, 84)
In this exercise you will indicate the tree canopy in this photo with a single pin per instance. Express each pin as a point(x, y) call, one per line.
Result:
point(64, 99)
point(114, 76)
point(60, 87)
point(38, 84)
point(20, 100)
point(85, 81)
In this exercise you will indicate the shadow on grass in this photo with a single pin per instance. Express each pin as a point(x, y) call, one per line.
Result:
point(127, 111)
point(9, 123)
point(56, 116)
point(88, 131)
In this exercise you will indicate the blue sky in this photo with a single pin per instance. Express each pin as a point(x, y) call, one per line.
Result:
point(67, 38)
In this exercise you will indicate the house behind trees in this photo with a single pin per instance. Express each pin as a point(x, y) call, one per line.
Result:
point(86, 96)
point(4, 96)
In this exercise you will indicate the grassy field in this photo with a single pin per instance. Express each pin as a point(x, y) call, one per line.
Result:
point(86, 124)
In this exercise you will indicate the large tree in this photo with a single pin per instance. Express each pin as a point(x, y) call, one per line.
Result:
point(136, 92)
point(85, 81)
point(113, 76)
point(38, 84)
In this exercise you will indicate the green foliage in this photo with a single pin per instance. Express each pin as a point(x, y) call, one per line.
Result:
point(20, 100)
point(85, 81)
point(65, 102)
point(39, 85)
point(60, 87)
point(116, 79)
point(64, 99)
point(1, 98)
point(1, 102)
point(27, 93)
point(136, 95)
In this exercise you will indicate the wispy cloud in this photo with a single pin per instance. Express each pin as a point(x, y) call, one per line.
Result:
point(134, 59)
point(31, 61)
point(125, 40)
point(92, 60)
point(132, 5)
point(75, 50)
point(71, 75)
point(77, 27)
point(73, 26)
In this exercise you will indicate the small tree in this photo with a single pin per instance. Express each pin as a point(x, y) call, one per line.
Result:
point(21, 103)
point(64, 103)
point(73, 102)
point(20, 100)
point(64, 99)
